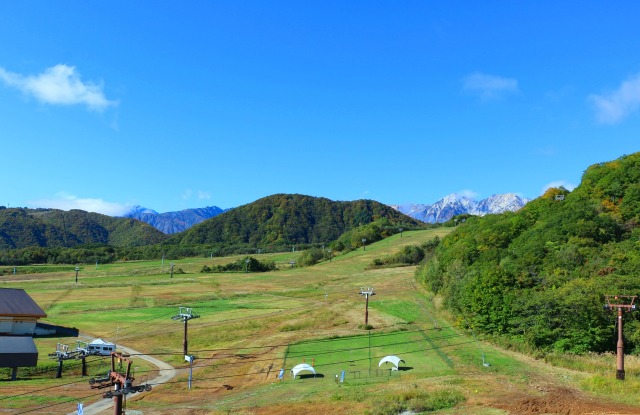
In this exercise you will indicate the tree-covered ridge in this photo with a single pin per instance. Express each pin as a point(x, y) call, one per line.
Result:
point(539, 276)
point(283, 219)
point(21, 228)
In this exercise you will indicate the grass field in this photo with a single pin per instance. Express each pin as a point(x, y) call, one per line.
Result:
point(251, 325)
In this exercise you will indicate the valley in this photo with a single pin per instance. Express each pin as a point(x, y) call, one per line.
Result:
point(251, 325)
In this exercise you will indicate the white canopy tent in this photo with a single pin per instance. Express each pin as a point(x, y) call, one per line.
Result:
point(395, 360)
point(302, 367)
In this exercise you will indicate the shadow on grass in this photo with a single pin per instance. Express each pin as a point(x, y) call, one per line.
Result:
point(310, 376)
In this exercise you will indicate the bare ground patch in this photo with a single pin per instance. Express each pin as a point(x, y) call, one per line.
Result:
point(558, 400)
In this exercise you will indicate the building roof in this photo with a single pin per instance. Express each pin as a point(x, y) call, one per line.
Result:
point(19, 351)
point(101, 342)
point(15, 302)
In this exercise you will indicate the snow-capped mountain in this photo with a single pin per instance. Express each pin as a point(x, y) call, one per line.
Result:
point(139, 210)
point(440, 211)
point(500, 203)
point(454, 204)
point(173, 222)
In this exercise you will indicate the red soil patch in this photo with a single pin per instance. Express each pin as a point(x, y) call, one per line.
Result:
point(562, 401)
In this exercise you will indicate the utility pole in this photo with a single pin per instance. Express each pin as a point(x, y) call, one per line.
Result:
point(61, 354)
point(122, 383)
point(369, 333)
point(367, 292)
point(185, 314)
point(190, 360)
point(621, 303)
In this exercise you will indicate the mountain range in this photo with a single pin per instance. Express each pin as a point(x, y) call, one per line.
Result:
point(438, 212)
point(270, 223)
point(51, 227)
point(174, 222)
point(455, 204)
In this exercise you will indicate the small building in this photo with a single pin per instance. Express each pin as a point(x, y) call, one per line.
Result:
point(18, 313)
point(18, 318)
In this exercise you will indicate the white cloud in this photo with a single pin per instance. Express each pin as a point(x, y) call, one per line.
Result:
point(189, 194)
point(202, 195)
point(489, 86)
point(65, 201)
point(611, 108)
point(466, 193)
point(59, 85)
point(548, 151)
point(186, 194)
point(559, 183)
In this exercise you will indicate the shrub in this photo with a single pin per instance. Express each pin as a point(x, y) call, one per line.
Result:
point(418, 401)
point(311, 257)
point(247, 264)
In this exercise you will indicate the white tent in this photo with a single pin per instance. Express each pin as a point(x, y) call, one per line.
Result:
point(302, 367)
point(395, 360)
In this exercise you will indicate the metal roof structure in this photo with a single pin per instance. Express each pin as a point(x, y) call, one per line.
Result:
point(101, 342)
point(19, 351)
point(15, 302)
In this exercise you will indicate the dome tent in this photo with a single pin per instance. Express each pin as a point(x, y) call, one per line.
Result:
point(395, 360)
point(302, 367)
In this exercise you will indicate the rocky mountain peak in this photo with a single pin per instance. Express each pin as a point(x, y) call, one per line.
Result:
point(456, 204)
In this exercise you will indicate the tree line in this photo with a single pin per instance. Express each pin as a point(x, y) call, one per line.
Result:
point(538, 277)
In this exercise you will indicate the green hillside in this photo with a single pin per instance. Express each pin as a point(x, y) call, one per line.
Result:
point(284, 219)
point(538, 277)
point(251, 325)
point(21, 228)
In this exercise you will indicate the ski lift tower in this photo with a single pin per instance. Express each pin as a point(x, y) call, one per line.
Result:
point(122, 383)
point(621, 303)
point(367, 292)
point(185, 314)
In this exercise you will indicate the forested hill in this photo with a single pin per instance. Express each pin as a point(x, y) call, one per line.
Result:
point(21, 228)
point(539, 276)
point(291, 219)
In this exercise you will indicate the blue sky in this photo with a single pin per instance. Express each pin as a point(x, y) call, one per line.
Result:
point(175, 105)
